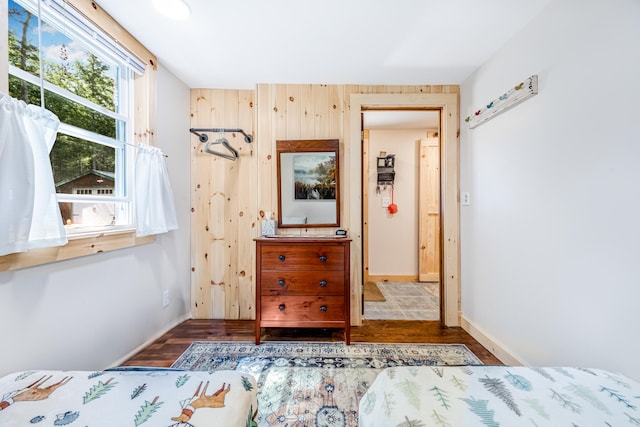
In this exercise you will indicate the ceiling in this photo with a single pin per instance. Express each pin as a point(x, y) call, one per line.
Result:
point(236, 44)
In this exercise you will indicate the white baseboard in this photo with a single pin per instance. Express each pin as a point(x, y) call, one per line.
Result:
point(490, 344)
point(151, 340)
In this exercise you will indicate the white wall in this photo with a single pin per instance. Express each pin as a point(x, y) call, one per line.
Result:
point(90, 313)
point(551, 241)
point(393, 239)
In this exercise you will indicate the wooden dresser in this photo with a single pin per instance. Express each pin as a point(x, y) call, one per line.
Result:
point(302, 282)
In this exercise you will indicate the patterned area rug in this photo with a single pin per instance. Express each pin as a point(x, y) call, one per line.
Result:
point(315, 384)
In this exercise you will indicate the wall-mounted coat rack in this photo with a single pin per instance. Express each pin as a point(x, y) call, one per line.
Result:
point(514, 96)
point(232, 153)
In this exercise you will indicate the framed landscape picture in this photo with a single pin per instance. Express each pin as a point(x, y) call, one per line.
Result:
point(314, 176)
point(308, 183)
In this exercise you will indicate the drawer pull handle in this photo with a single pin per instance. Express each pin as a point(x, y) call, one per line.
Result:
point(323, 258)
point(281, 257)
point(323, 283)
point(281, 307)
point(281, 282)
point(323, 308)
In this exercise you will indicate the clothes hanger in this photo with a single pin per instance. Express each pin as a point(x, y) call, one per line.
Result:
point(225, 143)
point(204, 138)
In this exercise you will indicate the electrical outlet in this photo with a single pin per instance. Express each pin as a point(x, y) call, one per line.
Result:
point(386, 201)
point(466, 199)
point(165, 298)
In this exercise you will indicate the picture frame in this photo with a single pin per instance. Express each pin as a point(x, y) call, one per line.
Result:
point(308, 183)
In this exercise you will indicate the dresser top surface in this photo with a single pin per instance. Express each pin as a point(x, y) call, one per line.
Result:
point(308, 238)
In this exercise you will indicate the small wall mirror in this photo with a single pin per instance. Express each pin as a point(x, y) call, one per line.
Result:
point(308, 183)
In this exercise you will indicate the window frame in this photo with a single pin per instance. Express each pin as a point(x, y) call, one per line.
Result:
point(144, 120)
point(119, 205)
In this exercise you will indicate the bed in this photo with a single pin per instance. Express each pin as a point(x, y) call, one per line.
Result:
point(128, 397)
point(499, 396)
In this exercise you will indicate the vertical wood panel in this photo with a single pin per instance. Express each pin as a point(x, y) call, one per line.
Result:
point(200, 274)
point(264, 153)
point(282, 112)
point(232, 207)
point(336, 111)
point(365, 207)
point(451, 214)
point(294, 112)
point(145, 106)
point(307, 112)
point(222, 281)
point(247, 205)
point(321, 113)
point(218, 256)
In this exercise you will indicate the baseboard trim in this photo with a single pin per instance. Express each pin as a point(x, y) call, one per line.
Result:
point(151, 340)
point(490, 344)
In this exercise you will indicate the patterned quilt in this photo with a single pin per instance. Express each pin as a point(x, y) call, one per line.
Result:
point(500, 396)
point(128, 397)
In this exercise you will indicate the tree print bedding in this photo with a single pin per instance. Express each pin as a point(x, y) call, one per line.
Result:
point(499, 396)
point(128, 397)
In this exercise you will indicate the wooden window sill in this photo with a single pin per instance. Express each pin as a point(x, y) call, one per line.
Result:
point(78, 246)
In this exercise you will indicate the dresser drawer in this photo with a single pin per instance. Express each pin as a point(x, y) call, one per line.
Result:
point(303, 283)
point(303, 308)
point(302, 257)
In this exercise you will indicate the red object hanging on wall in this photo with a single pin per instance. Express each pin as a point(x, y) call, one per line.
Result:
point(392, 208)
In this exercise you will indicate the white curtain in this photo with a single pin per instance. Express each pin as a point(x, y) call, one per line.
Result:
point(155, 207)
point(29, 213)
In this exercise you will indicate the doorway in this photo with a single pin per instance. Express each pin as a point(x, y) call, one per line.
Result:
point(448, 105)
point(401, 221)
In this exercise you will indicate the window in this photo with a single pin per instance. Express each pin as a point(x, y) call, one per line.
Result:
point(63, 63)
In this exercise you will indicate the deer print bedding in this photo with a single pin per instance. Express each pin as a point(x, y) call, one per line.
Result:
point(128, 397)
point(499, 396)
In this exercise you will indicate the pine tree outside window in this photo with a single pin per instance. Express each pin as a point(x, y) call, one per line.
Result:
point(90, 89)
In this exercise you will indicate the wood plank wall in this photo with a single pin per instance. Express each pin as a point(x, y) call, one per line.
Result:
point(229, 199)
point(223, 208)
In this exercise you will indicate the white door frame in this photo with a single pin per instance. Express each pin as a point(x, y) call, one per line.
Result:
point(448, 105)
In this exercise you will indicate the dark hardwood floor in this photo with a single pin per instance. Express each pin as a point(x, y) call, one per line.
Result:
point(166, 349)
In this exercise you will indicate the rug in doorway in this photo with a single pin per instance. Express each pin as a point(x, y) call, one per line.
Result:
point(373, 293)
point(313, 383)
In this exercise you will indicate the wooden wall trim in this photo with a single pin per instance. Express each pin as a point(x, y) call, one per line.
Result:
point(449, 105)
point(93, 12)
point(504, 355)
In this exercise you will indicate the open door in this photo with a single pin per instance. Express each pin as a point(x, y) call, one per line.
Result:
point(429, 205)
